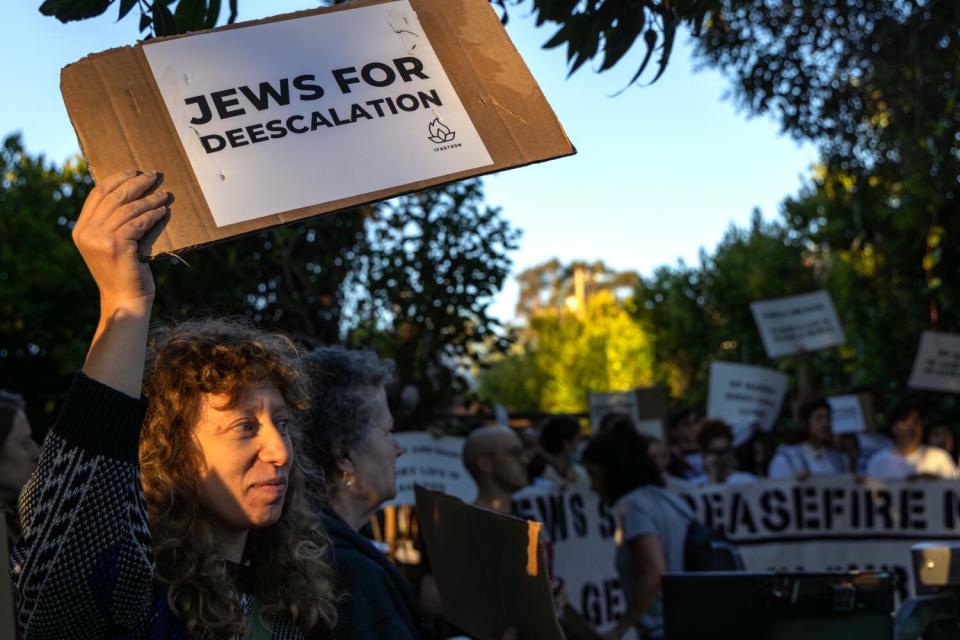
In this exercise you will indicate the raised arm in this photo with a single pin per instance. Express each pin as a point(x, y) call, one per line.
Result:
point(114, 218)
point(83, 567)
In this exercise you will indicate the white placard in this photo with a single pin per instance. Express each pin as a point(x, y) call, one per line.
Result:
point(434, 463)
point(846, 414)
point(646, 418)
point(283, 115)
point(743, 395)
point(937, 365)
point(603, 404)
point(807, 322)
point(652, 428)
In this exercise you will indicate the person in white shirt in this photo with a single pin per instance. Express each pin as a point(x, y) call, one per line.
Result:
point(559, 436)
point(715, 438)
point(685, 459)
point(813, 456)
point(908, 457)
point(939, 433)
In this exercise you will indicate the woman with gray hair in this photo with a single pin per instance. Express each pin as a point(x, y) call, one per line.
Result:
point(350, 438)
point(18, 457)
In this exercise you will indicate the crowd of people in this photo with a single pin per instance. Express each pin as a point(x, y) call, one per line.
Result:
point(211, 480)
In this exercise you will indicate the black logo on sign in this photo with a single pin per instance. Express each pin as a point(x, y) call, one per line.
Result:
point(440, 132)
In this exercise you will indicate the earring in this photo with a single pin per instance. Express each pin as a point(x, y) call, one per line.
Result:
point(348, 480)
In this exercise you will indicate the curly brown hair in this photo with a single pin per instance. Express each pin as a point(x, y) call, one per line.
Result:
point(292, 577)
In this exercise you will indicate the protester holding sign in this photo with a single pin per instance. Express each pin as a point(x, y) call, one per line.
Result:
point(908, 457)
point(685, 459)
point(209, 535)
point(18, 457)
point(939, 433)
point(716, 443)
point(813, 455)
point(652, 524)
point(351, 439)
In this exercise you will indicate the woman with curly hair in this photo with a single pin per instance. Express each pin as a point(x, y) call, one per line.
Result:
point(184, 516)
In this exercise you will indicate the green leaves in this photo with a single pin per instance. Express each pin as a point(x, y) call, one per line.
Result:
point(125, 7)
point(155, 15)
point(613, 26)
point(70, 10)
point(589, 29)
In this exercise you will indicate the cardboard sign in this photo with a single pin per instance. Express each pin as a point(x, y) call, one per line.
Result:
point(647, 406)
point(262, 123)
point(846, 414)
point(6, 596)
point(937, 365)
point(434, 463)
point(490, 569)
point(790, 325)
point(743, 395)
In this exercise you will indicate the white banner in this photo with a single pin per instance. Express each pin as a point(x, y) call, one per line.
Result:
point(821, 524)
point(434, 463)
point(937, 365)
point(288, 114)
point(807, 322)
point(743, 395)
point(831, 523)
point(580, 531)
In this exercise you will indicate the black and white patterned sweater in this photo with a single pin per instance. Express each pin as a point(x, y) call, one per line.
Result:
point(83, 567)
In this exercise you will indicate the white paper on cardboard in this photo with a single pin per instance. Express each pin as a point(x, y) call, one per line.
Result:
point(287, 114)
point(603, 404)
point(937, 365)
point(846, 414)
point(807, 322)
point(652, 428)
point(432, 462)
point(743, 395)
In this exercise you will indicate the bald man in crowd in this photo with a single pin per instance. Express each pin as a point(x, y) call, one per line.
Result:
point(497, 460)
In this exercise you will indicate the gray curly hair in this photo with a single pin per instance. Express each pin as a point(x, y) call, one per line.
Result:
point(340, 411)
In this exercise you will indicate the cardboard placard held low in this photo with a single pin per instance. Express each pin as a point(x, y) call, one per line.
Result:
point(267, 122)
point(490, 569)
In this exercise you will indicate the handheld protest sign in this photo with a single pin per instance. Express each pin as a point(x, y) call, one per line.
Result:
point(267, 122)
point(847, 414)
point(490, 569)
point(937, 365)
point(603, 404)
point(743, 395)
point(646, 405)
point(807, 322)
point(435, 463)
point(6, 596)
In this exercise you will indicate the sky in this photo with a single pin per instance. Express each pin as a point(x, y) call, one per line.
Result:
point(661, 171)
